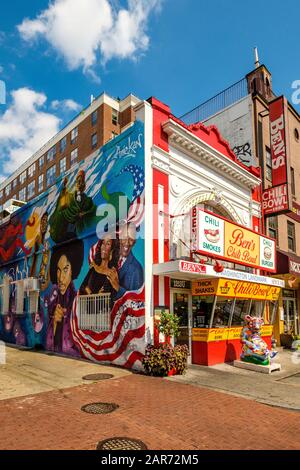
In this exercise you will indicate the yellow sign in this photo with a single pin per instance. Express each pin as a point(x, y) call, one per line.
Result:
point(235, 289)
point(241, 245)
point(208, 335)
point(205, 287)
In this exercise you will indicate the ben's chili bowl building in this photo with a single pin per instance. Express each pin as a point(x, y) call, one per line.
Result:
point(211, 265)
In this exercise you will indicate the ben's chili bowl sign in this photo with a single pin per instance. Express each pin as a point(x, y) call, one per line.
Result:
point(221, 239)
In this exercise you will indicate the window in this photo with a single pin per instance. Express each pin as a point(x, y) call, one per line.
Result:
point(94, 117)
point(296, 134)
point(31, 189)
point(268, 164)
point(202, 310)
point(31, 171)
point(74, 156)
point(15, 182)
point(222, 312)
point(114, 116)
point(41, 183)
point(62, 165)
point(113, 135)
point(293, 186)
point(273, 227)
point(94, 141)
point(41, 162)
point(74, 135)
point(291, 236)
point(7, 189)
point(1, 194)
point(22, 194)
point(63, 144)
point(50, 176)
point(241, 309)
point(51, 154)
point(23, 177)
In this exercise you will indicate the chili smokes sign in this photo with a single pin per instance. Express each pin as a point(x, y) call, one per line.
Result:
point(218, 238)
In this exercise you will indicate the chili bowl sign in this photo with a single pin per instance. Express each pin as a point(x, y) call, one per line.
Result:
point(219, 238)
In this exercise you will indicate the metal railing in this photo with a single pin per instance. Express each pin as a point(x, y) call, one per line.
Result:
point(221, 101)
point(94, 312)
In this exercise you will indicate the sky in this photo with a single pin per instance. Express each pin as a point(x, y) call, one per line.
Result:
point(55, 55)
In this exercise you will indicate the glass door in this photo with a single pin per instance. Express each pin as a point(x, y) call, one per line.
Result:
point(290, 316)
point(181, 306)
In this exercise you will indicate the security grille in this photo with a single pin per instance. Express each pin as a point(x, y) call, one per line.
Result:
point(94, 312)
point(33, 301)
point(19, 297)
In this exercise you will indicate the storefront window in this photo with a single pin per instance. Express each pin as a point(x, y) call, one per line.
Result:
point(257, 308)
point(222, 312)
point(202, 310)
point(241, 309)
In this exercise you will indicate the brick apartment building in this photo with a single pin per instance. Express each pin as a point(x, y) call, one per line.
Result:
point(263, 129)
point(100, 122)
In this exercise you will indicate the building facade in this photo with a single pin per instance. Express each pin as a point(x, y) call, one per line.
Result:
point(163, 217)
point(101, 121)
point(263, 129)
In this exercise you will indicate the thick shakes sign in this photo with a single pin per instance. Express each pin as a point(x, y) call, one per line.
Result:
point(218, 238)
point(276, 199)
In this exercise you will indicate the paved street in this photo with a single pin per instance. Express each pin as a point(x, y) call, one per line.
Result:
point(164, 414)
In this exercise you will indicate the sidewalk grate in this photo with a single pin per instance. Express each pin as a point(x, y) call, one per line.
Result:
point(99, 408)
point(97, 377)
point(121, 443)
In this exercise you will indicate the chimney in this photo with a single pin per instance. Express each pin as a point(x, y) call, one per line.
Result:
point(257, 64)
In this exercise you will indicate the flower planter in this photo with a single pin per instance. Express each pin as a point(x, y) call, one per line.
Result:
point(172, 372)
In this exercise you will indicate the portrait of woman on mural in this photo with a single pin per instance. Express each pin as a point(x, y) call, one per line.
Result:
point(103, 276)
point(65, 266)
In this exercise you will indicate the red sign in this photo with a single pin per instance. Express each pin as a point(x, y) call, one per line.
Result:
point(188, 267)
point(278, 142)
point(275, 200)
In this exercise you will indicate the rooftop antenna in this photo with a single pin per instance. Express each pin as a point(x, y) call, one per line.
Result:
point(92, 98)
point(257, 64)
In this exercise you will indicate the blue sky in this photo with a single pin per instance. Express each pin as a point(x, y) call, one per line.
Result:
point(181, 51)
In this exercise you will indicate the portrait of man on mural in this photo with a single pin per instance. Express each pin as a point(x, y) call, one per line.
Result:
point(73, 211)
point(130, 271)
point(65, 265)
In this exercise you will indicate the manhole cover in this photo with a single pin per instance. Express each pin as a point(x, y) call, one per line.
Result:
point(97, 377)
point(121, 443)
point(99, 408)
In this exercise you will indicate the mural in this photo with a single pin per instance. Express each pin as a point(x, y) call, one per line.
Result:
point(84, 240)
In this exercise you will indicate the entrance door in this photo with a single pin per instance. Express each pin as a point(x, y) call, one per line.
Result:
point(290, 316)
point(181, 304)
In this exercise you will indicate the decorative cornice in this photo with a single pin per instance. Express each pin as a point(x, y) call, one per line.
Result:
point(183, 139)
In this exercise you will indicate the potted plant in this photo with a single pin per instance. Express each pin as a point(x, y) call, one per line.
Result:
point(168, 325)
point(166, 360)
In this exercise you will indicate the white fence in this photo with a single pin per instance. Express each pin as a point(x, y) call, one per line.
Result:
point(94, 312)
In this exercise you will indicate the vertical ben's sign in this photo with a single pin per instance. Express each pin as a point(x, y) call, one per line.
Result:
point(277, 199)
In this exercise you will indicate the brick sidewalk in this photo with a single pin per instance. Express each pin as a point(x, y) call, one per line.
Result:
point(164, 414)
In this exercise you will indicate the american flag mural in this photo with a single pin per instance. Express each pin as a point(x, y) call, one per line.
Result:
point(124, 344)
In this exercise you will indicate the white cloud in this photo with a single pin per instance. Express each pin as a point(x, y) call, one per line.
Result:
point(1, 69)
point(66, 105)
point(82, 30)
point(24, 128)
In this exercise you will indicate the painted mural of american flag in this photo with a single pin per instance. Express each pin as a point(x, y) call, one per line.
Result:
point(137, 207)
point(124, 345)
